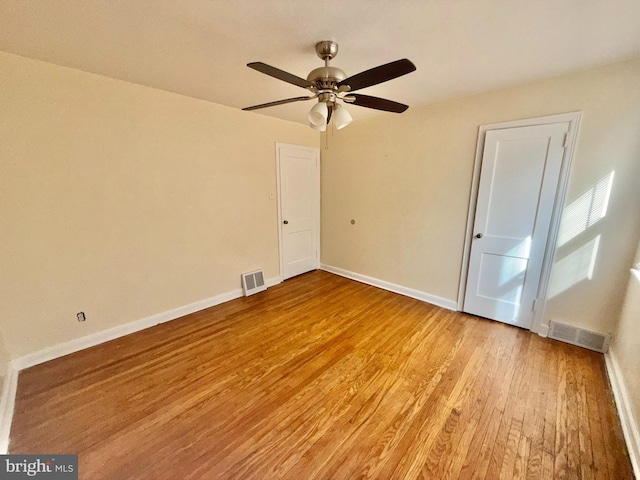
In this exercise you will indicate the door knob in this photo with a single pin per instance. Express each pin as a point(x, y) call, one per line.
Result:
point(286, 222)
point(478, 235)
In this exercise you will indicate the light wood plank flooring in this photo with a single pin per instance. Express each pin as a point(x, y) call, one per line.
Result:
point(325, 378)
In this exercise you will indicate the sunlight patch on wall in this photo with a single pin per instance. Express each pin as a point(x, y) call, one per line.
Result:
point(575, 267)
point(586, 210)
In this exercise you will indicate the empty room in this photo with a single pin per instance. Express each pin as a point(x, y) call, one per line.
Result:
point(320, 240)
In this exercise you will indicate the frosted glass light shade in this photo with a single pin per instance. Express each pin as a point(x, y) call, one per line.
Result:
point(341, 117)
point(321, 128)
point(318, 114)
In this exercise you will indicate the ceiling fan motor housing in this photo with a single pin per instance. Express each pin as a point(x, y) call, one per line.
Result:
point(326, 77)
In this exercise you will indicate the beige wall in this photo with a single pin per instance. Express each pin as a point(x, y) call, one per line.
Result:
point(4, 363)
point(406, 181)
point(123, 201)
point(625, 353)
point(625, 349)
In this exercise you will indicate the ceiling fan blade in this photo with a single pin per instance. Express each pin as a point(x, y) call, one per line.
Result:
point(278, 102)
point(380, 74)
point(281, 75)
point(376, 103)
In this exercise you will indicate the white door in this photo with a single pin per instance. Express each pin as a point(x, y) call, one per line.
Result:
point(516, 194)
point(299, 201)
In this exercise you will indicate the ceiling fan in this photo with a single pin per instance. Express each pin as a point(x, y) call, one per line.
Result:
point(330, 85)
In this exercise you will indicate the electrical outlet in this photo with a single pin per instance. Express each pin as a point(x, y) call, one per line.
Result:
point(81, 316)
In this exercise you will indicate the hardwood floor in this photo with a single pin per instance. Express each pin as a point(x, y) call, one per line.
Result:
point(325, 378)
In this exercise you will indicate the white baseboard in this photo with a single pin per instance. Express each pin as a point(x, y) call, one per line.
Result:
point(392, 287)
point(97, 338)
point(72, 346)
point(7, 403)
point(273, 281)
point(630, 427)
point(543, 330)
point(9, 387)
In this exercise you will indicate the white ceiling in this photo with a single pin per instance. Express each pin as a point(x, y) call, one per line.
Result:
point(200, 48)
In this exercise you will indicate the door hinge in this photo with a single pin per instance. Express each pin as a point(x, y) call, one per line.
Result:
point(533, 306)
point(566, 140)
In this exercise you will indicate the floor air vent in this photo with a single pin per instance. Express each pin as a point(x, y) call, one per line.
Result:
point(579, 336)
point(253, 282)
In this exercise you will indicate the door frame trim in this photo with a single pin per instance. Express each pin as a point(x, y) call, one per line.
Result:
point(315, 150)
point(573, 118)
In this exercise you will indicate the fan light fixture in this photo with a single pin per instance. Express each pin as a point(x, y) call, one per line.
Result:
point(341, 117)
point(330, 84)
point(326, 110)
point(319, 114)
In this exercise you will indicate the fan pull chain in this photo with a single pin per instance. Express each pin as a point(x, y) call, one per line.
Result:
point(326, 135)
